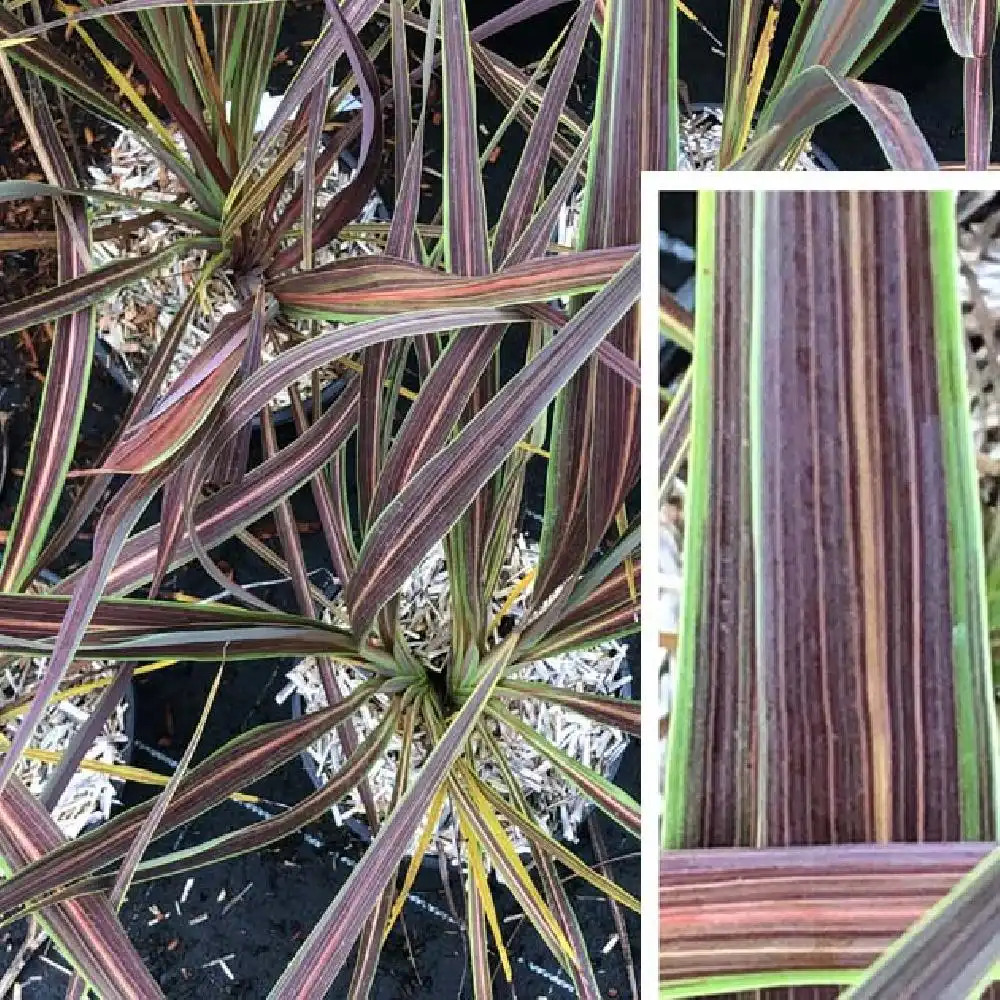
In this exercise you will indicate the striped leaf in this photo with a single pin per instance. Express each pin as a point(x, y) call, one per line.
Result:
point(817, 94)
point(448, 385)
point(231, 768)
point(66, 381)
point(126, 628)
point(595, 435)
point(601, 628)
point(86, 931)
point(444, 487)
point(971, 26)
point(622, 713)
point(256, 836)
point(145, 395)
point(113, 527)
point(552, 848)
point(790, 911)
point(356, 287)
point(88, 289)
point(891, 25)
point(503, 856)
point(739, 105)
point(951, 951)
point(234, 507)
point(333, 514)
point(676, 322)
point(43, 58)
point(833, 649)
point(839, 36)
point(526, 185)
point(198, 138)
point(722, 810)
point(579, 963)
point(830, 45)
point(464, 202)
point(21, 189)
point(328, 48)
point(346, 204)
point(180, 414)
point(675, 432)
point(479, 955)
point(291, 547)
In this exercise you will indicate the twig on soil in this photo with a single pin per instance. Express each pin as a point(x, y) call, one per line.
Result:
point(237, 898)
point(34, 939)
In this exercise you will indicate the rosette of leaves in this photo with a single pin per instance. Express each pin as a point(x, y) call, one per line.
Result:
point(447, 464)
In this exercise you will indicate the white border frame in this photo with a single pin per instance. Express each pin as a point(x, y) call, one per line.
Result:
point(679, 181)
point(654, 181)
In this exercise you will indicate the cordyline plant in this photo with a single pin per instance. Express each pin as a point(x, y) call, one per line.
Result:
point(832, 763)
point(820, 73)
point(448, 466)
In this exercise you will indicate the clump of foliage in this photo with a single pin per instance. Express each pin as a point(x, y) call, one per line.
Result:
point(449, 464)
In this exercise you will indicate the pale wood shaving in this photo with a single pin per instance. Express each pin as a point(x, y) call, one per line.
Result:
point(89, 796)
point(979, 288)
point(701, 139)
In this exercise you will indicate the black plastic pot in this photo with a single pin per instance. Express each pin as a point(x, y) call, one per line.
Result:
point(361, 828)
